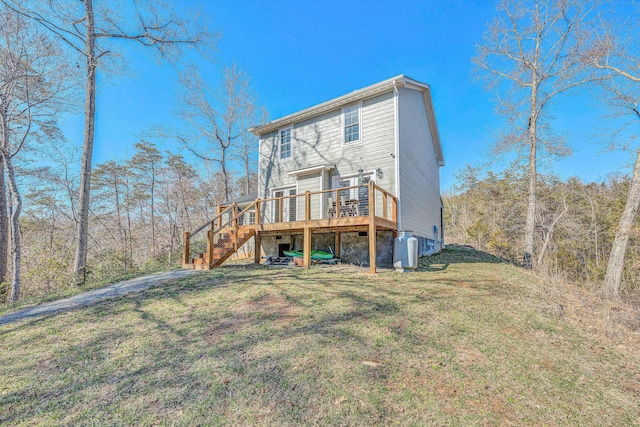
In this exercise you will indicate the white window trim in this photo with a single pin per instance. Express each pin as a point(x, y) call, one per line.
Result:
point(278, 142)
point(342, 125)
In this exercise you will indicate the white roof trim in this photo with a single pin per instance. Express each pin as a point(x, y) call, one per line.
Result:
point(358, 95)
point(330, 105)
point(312, 169)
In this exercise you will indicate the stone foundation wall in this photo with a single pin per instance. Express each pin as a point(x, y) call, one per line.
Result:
point(354, 249)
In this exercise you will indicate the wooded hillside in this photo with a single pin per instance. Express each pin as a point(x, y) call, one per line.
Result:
point(576, 223)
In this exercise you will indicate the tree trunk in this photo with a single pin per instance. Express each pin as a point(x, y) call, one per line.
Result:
point(82, 231)
point(613, 277)
point(247, 172)
point(4, 229)
point(184, 199)
point(153, 208)
point(527, 261)
point(225, 178)
point(129, 233)
point(116, 172)
point(16, 208)
point(549, 233)
point(594, 224)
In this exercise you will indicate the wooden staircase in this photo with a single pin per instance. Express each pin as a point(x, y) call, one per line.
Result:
point(224, 238)
point(222, 250)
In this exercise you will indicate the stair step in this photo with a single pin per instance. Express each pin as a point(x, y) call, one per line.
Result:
point(222, 250)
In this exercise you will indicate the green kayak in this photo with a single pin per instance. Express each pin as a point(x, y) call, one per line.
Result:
point(314, 254)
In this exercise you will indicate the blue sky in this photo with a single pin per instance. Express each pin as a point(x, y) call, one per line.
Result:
point(300, 53)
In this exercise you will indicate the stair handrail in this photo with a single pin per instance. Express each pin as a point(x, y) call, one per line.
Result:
point(211, 221)
point(234, 217)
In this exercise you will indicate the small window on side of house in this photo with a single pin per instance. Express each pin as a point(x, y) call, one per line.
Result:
point(351, 124)
point(284, 143)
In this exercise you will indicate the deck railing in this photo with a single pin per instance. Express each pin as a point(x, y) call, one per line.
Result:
point(354, 201)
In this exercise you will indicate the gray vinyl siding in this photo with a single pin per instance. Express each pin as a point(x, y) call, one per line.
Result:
point(273, 172)
point(309, 182)
point(419, 175)
point(318, 141)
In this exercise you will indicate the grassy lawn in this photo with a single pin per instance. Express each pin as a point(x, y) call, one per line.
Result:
point(466, 341)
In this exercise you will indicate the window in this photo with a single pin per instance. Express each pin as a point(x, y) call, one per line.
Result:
point(351, 121)
point(285, 144)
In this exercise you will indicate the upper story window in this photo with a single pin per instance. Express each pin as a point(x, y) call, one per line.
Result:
point(284, 142)
point(351, 123)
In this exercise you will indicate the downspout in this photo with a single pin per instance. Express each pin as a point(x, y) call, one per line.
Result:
point(397, 152)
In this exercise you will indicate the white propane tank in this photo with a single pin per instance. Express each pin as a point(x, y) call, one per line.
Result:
point(405, 252)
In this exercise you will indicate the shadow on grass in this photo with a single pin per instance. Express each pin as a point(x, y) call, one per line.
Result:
point(456, 254)
point(180, 353)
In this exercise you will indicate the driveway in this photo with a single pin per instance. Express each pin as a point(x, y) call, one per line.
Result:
point(93, 297)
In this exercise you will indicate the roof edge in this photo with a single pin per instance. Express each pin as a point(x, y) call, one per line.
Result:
point(329, 105)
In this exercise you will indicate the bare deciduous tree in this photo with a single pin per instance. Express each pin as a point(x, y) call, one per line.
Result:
point(94, 34)
point(616, 54)
point(532, 54)
point(31, 81)
point(146, 164)
point(220, 117)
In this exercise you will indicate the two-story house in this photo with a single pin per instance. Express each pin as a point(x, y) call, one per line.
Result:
point(345, 175)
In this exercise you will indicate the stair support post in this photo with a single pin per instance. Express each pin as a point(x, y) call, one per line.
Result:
point(257, 251)
point(209, 254)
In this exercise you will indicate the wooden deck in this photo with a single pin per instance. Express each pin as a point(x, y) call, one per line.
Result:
point(322, 212)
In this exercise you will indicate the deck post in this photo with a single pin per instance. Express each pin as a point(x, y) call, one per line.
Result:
point(306, 242)
point(372, 246)
point(384, 206)
point(220, 209)
point(394, 210)
point(337, 248)
point(209, 256)
point(186, 247)
point(307, 205)
point(257, 251)
point(372, 229)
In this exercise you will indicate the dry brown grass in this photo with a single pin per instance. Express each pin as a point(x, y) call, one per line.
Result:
point(586, 307)
point(467, 341)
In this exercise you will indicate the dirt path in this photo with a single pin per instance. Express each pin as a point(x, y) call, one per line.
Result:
point(92, 297)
